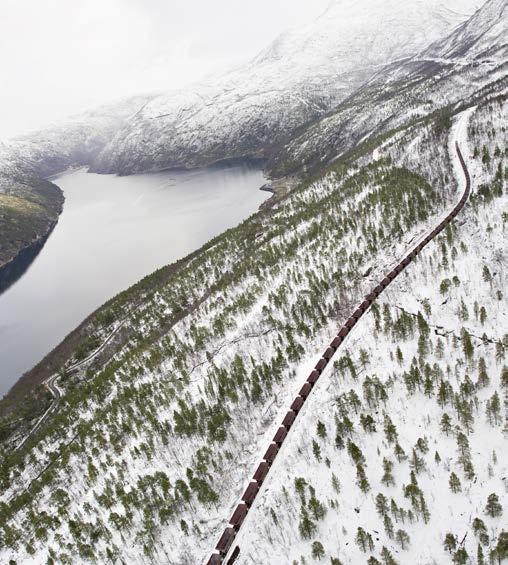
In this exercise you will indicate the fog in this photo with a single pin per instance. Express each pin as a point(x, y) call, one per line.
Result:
point(59, 57)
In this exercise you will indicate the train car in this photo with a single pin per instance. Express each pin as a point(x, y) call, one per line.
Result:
point(337, 340)
point(261, 472)
point(406, 261)
point(305, 390)
point(399, 268)
point(357, 314)
point(320, 365)
point(343, 332)
point(371, 297)
point(350, 322)
point(385, 282)
point(215, 559)
point(313, 377)
point(328, 354)
point(378, 290)
point(250, 493)
point(289, 418)
point(297, 404)
point(239, 516)
point(225, 541)
point(392, 274)
point(280, 435)
point(234, 555)
point(365, 304)
point(271, 453)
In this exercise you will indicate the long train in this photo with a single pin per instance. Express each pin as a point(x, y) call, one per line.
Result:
point(226, 540)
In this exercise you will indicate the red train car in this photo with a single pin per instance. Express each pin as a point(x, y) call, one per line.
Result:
point(297, 404)
point(261, 472)
point(250, 493)
point(280, 435)
point(234, 555)
point(289, 418)
point(357, 314)
point(328, 354)
point(215, 559)
point(305, 390)
point(320, 365)
point(365, 304)
point(271, 453)
point(225, 541)
point(343, 332)
point(350, 322)
point(313, 377)
point(239, 515)
point(337, 340)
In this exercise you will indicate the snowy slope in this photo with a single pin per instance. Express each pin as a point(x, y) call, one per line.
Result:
point(433, 79)
point(298, 78)
point(482, 36)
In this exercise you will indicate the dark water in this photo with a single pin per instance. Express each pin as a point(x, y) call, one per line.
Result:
point(112, 232)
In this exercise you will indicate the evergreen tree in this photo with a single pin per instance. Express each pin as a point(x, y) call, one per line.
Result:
point(361, 479)
point(461, 557)
point(402, 539)
point(361, 539)
point(446, 423)
point(480, 558)
point(483, 377)
point(306, 526)
point(318, 551)
point(387, 557)
point(316, 450)
point(381, 504)
point(450, 542)
point(454, 483)
point(388, 525)
point(493, 507)
point(416, 463)
point(321, 430)
point(387, 478)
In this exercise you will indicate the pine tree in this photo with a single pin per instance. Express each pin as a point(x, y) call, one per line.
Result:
point(480, 559)
point(402, 539)
point(361, 479)
point(381, 504)
point(318, 550)
point(335, 483)
point(416, 463)
point(321, 430)
point(461, 557)
point(450, 542)
point(454, 483)
point(388, 525)
point(387, 478)
point(483, 377)
point(361, 539)
point(390, 430)
point(387, 557)
point(400, 453)
point(306, 527)
point(316, 450)
point(493, 507)
point(446, 423)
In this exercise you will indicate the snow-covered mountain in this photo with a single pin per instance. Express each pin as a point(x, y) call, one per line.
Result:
point(298, 78)
point(450, 70)
point(397, 455)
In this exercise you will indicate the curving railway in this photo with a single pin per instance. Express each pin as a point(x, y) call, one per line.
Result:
point(223, 547)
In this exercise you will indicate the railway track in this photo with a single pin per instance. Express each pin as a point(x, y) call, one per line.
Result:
point(222, 550)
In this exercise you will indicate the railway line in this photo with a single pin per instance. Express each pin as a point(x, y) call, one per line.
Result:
point(222, 552)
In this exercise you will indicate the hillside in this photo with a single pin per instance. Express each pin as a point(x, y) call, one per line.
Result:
point(173, 390)
point(156, 438)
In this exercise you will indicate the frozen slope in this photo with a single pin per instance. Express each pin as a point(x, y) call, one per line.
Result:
point(298, 78)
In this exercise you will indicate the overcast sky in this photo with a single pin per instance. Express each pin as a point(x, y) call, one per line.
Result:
point(58, 57)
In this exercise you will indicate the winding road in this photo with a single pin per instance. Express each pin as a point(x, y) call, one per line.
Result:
point(222, 552)
point(52, 386)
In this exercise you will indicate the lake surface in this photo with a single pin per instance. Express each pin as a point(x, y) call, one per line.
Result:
point(112, 232)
